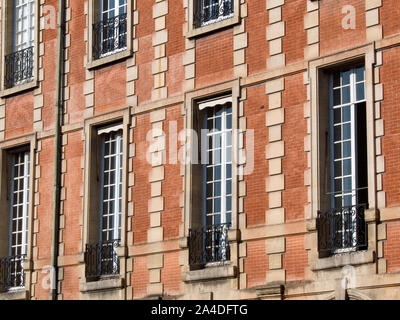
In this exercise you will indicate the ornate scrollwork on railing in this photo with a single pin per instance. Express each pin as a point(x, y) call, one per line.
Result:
point(210, 11)
point(101, 259)
point(12, 273)
point(18, 67)
point(208, 245)
point(341, 230)
point(109, 36)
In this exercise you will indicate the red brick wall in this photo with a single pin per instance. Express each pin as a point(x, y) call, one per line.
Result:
point(295, 39)
point(171, 274)
point(175, 47)
point(172, 185)
point(141, 190)
point(258, 50)
point(332, 35)
point(76, 75)
point(19, 115)
point(256, 200)
point(140, 277)
point(110, 88)
point(50, 67)
point(145, 55)
point(390, 78)
point(392, 247)
point(295, 258)
point(214, 58)
point(389, 17)
point(256, 264)
point(73, 183)
point(70, 285)
point(294, 163)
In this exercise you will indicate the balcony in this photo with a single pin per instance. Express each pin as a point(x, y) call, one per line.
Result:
point(208, 246)
point(18, 68)
point(215, 11)
point(12, 275)
point(109, 36)
point(341, 230)
point(101, 259)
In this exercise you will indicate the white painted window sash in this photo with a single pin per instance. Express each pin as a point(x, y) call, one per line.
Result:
point(117, 183)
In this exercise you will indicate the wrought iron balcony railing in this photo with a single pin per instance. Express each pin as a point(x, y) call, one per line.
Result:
point(211, 11)
point(341, 230)
point(101, 259)
point(109, 36)
point(12, 273)
point(208, 245)
point(18, 67)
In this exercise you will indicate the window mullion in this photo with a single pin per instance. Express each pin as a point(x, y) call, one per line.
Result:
point(117, 187)
point(102, 187)
point(223, 167)
point(25, 203)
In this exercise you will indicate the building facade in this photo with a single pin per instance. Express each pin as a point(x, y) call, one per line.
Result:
point(200, 149)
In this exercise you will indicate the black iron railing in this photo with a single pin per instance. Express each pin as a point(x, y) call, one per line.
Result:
point(18, 67)
point(341, 230)
point(101, 259)
point(209, 11)
point(109, 36)
point(208, 245)
point(12, 273)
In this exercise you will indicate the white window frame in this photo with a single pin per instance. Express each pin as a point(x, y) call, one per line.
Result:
point(353, 156)
point(27, 10)
point(221, 16)
point(117, 139)
point(223, 162)
point(20, 248)
point(110, 13)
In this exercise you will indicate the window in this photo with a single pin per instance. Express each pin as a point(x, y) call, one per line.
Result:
point(207, 16)
point(341, 225)
point(209, 238)
point(110, 32)
point(19, 53)
point(12, 274)
point(101, 255)
point(211, 11)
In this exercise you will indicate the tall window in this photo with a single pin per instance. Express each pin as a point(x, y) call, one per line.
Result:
point(24, 19)
point(217, 184)
point(101, 256)
point(110, 33)
point(111, 186)
point(347, 183)
point(211, 11)
point(19, 63)
point(12, 274)
point(212, 213)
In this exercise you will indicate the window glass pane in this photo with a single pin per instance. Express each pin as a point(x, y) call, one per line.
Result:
point(346, 78)
point(346, 114)
point(338, 133)
point(336, 97)
point(360, 91)
point(346, 131)
point(346, 95)
point(360, 74)
point(346, 149)
point(338, 168)
point(347, 167)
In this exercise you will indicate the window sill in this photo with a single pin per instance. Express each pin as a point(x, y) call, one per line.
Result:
point(344, 259)
point(109, 59)
point(21, 294)
point(19, 88)
point(194, 32)
point(102, 284)
point(211, 273)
